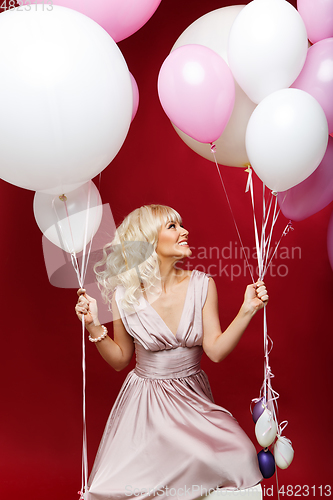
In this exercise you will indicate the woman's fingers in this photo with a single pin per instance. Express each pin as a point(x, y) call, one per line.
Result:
point(261, 291)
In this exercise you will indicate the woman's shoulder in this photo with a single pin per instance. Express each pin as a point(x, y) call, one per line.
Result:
point(200, 275)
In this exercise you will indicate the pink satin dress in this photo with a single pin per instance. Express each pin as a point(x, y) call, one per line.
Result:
point(165, 436)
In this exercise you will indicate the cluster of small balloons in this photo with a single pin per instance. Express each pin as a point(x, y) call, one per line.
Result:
point(266, 431)
point(67, 100)
point(243, 77)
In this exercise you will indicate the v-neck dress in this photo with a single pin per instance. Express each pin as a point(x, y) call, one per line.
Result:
point(165, 436)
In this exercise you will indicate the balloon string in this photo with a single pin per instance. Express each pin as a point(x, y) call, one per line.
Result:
point(84, 481)
point(263, 246)
point(59, 226)
point(269, 239)
point(81, 278)
point(277, 484)
point(213, 150)
point(256, 234)
point(83, 267)
point(289, 227)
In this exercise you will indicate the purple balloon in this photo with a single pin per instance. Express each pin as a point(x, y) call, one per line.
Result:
point(330, 240)
point(266, 463)
point(316, 77)
point(258, 409)
point(313, 194)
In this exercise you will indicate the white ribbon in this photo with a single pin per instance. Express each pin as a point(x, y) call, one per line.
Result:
point(81, 274)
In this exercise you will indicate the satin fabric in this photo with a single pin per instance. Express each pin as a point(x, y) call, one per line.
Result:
point(165, 436)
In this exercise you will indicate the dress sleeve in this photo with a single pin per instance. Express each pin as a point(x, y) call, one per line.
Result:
point(205, 288)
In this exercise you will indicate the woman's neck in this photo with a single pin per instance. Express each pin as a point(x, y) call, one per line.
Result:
point(170, 275)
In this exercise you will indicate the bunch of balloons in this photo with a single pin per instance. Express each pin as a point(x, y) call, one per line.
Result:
point(279, 112)
point(242, 82)
point(67, 100)
point(266, 431)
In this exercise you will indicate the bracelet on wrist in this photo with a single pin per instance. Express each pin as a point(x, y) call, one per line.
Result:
point(98, 339)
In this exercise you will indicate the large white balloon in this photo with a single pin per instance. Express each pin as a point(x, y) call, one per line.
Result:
point(71, 220)
point(212, 30)
point(286, 138)
point(267, 47)
point(65, 98)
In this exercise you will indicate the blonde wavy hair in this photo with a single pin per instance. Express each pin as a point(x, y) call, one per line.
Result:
point(130, 260)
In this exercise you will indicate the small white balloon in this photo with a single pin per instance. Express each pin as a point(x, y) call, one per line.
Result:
point(267, 47)
point(283, 452)
point(69, 220)
point(265, 429)
point(286, 138)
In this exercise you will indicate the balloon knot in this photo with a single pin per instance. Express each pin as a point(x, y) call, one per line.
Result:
point(212, 148)
point(289, 227)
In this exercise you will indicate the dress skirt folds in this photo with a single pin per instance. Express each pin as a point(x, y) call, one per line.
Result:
point(165, 436)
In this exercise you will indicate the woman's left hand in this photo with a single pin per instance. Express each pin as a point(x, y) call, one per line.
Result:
point(255, 297)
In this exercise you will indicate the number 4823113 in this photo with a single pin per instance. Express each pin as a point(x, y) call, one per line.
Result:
point(305, 490)
point(25, 5)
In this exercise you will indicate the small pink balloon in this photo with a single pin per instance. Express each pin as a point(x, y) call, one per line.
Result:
point(330, 240)
point(316, 77)
point(120, 18)
point(311, 195)
point(197, 91)
point(135, 90)
point(318, 18)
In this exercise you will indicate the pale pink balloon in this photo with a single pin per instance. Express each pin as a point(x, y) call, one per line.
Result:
point(197, 91)
point(330, 240)
point(311, 195)
point(318, 18)
point(135, 90)
point(120, 18)
point(316, 77)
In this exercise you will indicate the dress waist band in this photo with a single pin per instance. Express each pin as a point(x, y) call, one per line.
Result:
point(169, 363)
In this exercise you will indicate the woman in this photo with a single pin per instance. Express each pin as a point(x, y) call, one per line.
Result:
point(165, 436)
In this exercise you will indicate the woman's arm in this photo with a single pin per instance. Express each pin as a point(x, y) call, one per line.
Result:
point(217, 344)
point(118, 352)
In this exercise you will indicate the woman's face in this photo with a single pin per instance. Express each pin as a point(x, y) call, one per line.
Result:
point(173, 241)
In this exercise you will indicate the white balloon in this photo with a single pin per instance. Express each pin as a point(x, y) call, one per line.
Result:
point(283, 452)
point(69, 222)
point(212, 30)
point(265, 429)
point(286, 138)
point(267, 47)
point(65, 98)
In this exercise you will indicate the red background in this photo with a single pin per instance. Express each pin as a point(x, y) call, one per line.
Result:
point(41, 380)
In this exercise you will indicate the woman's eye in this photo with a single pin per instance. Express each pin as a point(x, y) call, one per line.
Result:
point(171, 226)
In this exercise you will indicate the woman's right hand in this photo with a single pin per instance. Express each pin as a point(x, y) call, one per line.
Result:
point(86, 306)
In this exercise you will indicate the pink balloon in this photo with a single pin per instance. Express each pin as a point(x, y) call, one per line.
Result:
point(330, 240)
point(197, 91)
point(135, 91)
point(120, 18)
point(318, 18)
point(313, 194)
point(316, 77)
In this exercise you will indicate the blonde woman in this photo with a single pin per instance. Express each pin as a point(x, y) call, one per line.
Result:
point(165, 436)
